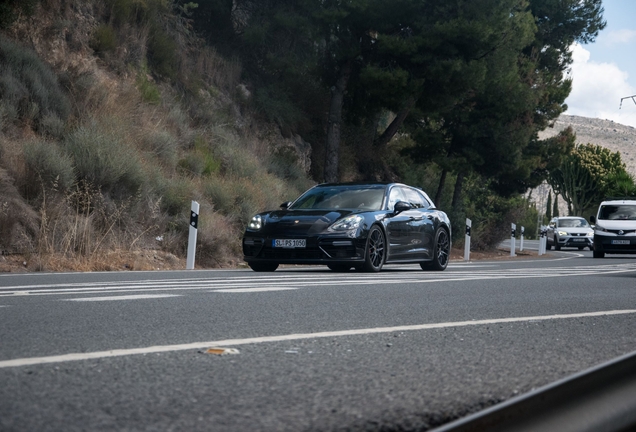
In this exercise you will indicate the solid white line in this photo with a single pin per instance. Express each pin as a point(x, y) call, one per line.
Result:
point(265, 339)
point(126, 297)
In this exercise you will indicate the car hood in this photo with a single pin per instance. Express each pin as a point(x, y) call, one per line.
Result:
point(302, 221)
point(617, 224)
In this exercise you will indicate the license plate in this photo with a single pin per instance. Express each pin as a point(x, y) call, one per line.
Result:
point(617, 242)
point(578, 240)
point(289, 243)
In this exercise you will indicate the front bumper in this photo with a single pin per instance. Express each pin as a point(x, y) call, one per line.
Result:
point(318, 250)
point(615, 244)
point(575, 241)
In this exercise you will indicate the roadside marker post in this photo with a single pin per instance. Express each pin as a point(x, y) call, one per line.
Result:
point(469, 225)
point(513, 234)
point(542, 240)
point(521, 241)
point(192, 239)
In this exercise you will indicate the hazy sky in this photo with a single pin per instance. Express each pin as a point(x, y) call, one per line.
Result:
point(605, 71)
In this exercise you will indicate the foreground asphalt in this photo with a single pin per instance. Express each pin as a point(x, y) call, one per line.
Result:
point(317, 350)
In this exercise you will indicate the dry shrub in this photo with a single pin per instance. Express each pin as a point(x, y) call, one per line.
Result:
point(218, 240)
point(18, 221)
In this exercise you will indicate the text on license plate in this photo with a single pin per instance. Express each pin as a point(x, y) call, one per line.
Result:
point(289, 243)
point(578, 240)
point(620, 242)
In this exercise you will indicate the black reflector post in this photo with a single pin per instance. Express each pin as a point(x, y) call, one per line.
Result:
point(192, 239)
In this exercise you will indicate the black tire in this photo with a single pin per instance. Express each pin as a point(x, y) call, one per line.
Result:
point(548, 246)
point(557, 246)
point(263, 267)
point(375, 251)
point(441, 253)
point(581, 247)
point(339, 267)
point(598, 254)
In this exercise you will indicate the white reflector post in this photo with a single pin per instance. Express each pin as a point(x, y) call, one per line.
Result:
point(192, 239)
point(469, 225)
point(521, 242)
point(513, 234)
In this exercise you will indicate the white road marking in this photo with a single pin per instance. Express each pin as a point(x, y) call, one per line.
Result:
point(248, 290)
point(299, 280)
point(292, 337)
point(125, 297)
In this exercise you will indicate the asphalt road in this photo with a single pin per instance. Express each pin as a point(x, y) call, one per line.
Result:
point(317, 350)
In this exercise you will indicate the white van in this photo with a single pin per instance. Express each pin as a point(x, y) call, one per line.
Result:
point(615, 230)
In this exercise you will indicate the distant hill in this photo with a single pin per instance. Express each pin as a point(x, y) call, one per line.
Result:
point(606, 133)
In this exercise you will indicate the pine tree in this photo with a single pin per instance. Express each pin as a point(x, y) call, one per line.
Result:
point(548, 207)
point(555, 209)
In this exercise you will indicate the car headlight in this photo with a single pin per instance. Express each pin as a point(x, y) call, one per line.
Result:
point(347, 224)
point(256, 223)
point(562, 233)
point(600, 228)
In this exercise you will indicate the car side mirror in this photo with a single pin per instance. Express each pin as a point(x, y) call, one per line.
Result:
point(593, 219)
point(401, 206)
point(285, 205)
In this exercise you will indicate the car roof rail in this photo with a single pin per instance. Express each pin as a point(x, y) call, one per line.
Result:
point(623, 198)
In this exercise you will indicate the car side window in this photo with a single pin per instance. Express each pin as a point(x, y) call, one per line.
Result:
point(394, 196)
point(414, 198)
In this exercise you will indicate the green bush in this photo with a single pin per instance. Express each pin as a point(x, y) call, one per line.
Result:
point(163, 145)
point(149, 90)
point(104, 159)
point(104, 39)
point(222, 194)
point(46, 163)
point(162, 52)
point(28, 86)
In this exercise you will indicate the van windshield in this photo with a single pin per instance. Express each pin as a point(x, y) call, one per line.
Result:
point(617, 212)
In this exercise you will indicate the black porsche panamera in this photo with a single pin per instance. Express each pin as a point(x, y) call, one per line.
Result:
point(359, 225)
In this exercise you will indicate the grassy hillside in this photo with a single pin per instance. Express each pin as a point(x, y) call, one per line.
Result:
point(113, 117)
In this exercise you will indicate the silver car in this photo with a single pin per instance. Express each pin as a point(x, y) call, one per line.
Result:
point(570, 231)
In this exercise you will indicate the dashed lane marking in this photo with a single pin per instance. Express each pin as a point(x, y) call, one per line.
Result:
point(293, 337)
point(125, 297)
point(249, 290)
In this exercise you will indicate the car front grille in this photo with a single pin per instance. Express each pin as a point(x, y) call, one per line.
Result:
point(292, 254)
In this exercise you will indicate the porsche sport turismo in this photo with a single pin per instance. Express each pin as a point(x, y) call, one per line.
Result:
point(351, 225)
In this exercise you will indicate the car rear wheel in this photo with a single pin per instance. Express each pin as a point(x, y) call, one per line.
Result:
point(441, 253)
point(263, 267)
point(339, 267)
point(375, 250)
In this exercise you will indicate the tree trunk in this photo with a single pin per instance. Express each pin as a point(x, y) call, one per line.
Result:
point(440, 188)
point(457, 193)
point(334, 125)
point(397, 122)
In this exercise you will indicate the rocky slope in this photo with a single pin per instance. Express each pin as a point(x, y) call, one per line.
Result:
point(607, 133)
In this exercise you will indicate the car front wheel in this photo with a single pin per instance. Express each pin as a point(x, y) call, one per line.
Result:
point(557, 246)
point(598, 254)
point(263, 267)
point(375, 250)
point(441, 254)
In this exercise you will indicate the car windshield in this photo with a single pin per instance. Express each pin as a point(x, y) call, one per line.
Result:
point(617, 212)
point(341, 197)
point(573, 223)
